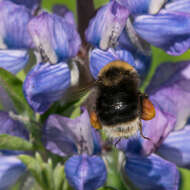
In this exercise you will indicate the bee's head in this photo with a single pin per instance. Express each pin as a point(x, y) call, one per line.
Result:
point(117, 71)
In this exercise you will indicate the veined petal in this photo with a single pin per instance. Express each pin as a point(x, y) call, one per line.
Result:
point(55, 36)
point(124, 42)
point(141, 58)
point(85, 172)
point(13, 26)
point(96, 141)
point(65, 136)
point(63, 11)
point(176, 148)
point(180, 6)
point(45, 84)
point(173, 35)
point(130, 40)
point(170, 87)
point(13, 60)
point(105, 28)
point(136, 6)
point(142, 63)
point(12, 127)
point(100, 58)
point(156, 130)
point(33, 5)
point(151, 173)
point(11, 168)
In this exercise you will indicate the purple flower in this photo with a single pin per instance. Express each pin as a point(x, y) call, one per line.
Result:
point(55, 36)
point(33, 5)
point(99, 58)
point(142, 20)
point(169, 91)
point(108, 24)
point(11, 168)
point(57, 41)
point(46, 83)
point(85, 169)
point(14, 37)
point(63, 11)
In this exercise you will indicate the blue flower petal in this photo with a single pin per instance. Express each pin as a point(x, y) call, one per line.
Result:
point(180, 6)
point(152, 173)
point(100, 58)
point(45, 84)
point(170, 87)
point(96, 141)
point(11, 168)
point(125, 43)
point(173, 35)
point(13, 26)
point(63, 11)
point(136, 6)
point(65, 136)
point(85, 172)
point(176, 148)
point(55, 36)
point(107, 25)
point(30, 4)
point(142, 63)
point(12, 127)
point(13, 60)
point(139, 51)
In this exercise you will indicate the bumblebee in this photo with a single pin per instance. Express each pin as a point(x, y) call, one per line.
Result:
point(120, 105)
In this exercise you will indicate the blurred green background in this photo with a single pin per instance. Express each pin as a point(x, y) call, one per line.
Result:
point(158, 57)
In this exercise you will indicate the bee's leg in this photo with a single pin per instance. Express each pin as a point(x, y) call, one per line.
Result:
point(141, 133)
point(117, 141)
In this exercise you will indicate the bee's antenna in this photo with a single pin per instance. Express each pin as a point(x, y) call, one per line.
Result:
point(141, 133)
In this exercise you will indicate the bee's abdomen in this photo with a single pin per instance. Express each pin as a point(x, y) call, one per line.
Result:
point(116, 105)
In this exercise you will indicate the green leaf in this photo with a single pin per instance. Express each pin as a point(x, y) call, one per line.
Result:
point(185, 176)
point(99, 3)
point(47, 174)
point(48, 178)
point(59, 177)
point(107, 188)
point(13, 86)
point(9, 142)
point(71, 4)
point(34, 167)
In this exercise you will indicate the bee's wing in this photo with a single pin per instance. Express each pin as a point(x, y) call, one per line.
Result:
point(75, 93)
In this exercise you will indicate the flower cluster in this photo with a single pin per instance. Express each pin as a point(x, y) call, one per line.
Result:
point(46, 45)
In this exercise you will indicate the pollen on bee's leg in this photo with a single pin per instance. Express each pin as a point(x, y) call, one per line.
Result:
point(95, 121)
point(148, 110)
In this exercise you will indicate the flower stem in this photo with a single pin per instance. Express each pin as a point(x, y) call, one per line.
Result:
point(85, 11)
